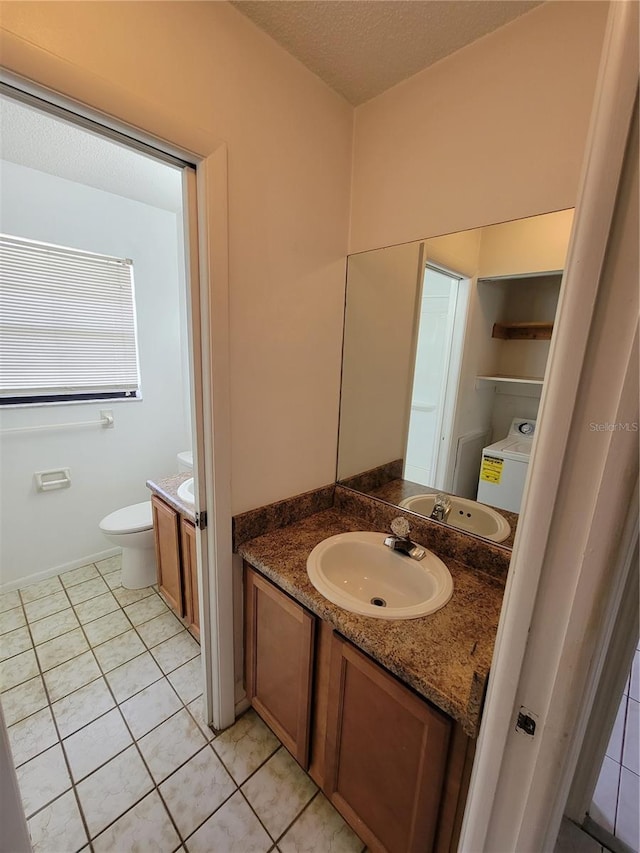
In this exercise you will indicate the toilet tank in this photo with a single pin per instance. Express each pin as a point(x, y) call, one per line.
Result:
point(185, 461)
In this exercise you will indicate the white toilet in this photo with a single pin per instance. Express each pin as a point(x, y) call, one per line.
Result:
point(131, 529)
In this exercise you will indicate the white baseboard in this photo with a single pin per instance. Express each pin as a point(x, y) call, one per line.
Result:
point(36, 577)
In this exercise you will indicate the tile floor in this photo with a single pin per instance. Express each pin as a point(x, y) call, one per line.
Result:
point(617, 794)
point(101, 692)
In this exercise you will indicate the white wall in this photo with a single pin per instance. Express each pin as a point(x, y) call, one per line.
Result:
point(494, 132)
point(109, 467)
point(289, 142)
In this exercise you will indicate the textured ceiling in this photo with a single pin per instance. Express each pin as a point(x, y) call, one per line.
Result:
point(40, 141)
point(362, 47)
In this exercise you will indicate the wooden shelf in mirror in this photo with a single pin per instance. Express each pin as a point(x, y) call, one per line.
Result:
point(522, 331)
point(521, 380)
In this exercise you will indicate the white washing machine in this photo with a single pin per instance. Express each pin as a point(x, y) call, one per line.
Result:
point(503, 470)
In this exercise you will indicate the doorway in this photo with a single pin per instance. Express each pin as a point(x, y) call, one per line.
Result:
point(436, 374)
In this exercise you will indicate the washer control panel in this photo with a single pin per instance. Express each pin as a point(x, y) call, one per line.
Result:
point(523, 428)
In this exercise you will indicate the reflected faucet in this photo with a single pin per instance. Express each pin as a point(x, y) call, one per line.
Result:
point(441, 508)
point(400, 541)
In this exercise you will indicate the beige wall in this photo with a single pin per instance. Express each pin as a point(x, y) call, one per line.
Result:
point(289, 142)
point(378, 357)
point(495, 132)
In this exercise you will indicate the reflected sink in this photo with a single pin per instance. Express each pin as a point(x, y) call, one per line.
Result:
point(466, 515)
point(186, 492)
point(358, 572)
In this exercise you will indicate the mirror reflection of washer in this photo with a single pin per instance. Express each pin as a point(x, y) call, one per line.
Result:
point(503, 470)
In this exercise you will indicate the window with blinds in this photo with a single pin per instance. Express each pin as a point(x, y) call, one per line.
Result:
point(67, 325)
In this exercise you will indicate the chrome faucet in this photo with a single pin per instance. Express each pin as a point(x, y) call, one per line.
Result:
point(441, 508)
point(400, 541)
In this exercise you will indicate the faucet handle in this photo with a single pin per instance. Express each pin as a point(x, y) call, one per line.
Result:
point(443, 500)
point(400, 527)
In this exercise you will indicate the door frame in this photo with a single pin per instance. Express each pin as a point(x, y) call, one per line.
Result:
point(548, 631)
point(34, 72)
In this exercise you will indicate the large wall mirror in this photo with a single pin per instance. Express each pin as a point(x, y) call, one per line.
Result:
point(445, 348)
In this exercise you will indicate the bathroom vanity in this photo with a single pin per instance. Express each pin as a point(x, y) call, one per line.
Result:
point(175, 540)
point(382, 714)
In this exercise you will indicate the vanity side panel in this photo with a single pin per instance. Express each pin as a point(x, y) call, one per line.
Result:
point(190, 576)
point(166, 531)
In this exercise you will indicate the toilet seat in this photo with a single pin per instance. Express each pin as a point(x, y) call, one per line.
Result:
point(130, 519)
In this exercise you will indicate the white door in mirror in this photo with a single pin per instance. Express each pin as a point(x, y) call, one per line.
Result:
point(358, 572)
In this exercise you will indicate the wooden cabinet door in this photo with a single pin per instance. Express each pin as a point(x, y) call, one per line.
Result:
point(386, 754)
point(279, 636)
point(166, 528)
point(190, 577)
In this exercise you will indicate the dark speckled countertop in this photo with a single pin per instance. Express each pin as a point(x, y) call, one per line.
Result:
point(445, 657)
point(167, 489)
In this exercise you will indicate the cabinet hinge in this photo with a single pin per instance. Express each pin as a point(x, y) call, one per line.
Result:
point(201, 520)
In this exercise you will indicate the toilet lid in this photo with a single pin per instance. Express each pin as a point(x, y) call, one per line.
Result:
point(130, 519)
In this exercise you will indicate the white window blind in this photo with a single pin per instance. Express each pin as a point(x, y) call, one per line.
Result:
point(67, 324)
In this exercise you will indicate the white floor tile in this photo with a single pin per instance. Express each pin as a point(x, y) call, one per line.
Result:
point(58, 827)
point(160, 628)
point(111, 564)
point(87, 590)
point(9, 600)
point(320, 827)
point(233, 828)
point(605, 797)
point(107, 627)
point(114, 579)
point(114, 788)
point(245, 746)
point(43, 779)
point(18, 669)
point(187, 680)
point(144, 828)
point(196, 709)
point(171, 744)
point(196, 790)
point(14, 643)
point(96, 607)
point(71, 676)
point(41, 589)
point(96, 744)
point(24, 700)
point(631, 749)
point(76, 576)
point(627, 829)
point(148, 608)
point(634, 683)
point(61, 649)
point(12, 619)
point(150, 707)
point(32, 736)
point(133, 676)
point(172, 653)
point(82, 707)
point(43, 607)
point(278, 792)
point(119, 650)
point(53, 626)
point(130, 596)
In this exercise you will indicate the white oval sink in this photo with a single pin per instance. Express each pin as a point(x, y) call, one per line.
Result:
point(466, 515)
point(358, 572)
point(186, 492)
